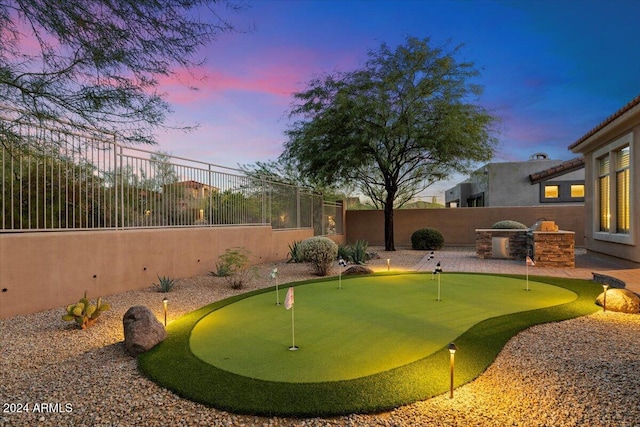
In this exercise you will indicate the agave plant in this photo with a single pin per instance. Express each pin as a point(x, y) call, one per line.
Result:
point(295, 252)
point(359, 252)
point(165, 284)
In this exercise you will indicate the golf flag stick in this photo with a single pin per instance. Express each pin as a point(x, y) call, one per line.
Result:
point(437, 271)
point(529, 262)
point(341, 263)
point(274, 276)
point(288, 304)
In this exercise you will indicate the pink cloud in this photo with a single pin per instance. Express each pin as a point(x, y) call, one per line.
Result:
point(180, 87)
point(279, 82)
point(275, 73)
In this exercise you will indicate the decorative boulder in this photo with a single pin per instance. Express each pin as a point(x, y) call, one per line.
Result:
point(142, 331)
point(357, 269)
point(373, 255)
point(621, 300)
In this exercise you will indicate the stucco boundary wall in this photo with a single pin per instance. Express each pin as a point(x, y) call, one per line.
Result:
point(458, 225)
point(44, 270)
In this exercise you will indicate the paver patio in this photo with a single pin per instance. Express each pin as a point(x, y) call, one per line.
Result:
point(463, 259)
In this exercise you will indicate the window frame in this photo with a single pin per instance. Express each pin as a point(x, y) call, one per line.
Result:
point(582, 186)
point(564, 191)
point(612, 149)
point(625, 172)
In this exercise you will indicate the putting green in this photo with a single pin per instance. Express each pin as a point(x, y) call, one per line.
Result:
point(378, 334)
point(371, 325)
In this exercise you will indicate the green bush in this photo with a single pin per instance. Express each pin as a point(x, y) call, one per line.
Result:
point(321, 252)
point(427, 239)
point(508, 224)
point(234, 266)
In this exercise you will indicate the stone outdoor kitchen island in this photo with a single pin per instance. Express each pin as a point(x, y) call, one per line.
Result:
point(547, 248)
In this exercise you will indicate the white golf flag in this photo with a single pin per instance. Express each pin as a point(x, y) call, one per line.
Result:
point(530, 262)
point(288, 300)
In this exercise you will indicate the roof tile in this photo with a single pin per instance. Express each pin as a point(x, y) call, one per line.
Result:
point(607, 121)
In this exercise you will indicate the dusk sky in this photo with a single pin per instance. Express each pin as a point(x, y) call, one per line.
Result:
point(551, 70)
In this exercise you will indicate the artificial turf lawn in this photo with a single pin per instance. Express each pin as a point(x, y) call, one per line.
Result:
point(173, 364)
point(370, 325)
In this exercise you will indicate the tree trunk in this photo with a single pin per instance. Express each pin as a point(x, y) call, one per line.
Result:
point(388, 224)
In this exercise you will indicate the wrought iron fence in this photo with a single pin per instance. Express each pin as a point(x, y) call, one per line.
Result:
point(53, 179)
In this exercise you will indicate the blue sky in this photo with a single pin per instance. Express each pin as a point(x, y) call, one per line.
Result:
point(551, 70)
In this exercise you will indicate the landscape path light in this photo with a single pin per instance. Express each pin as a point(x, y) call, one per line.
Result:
point(452, 352)
point(604, 297)
point(388, 264)
point(165, 301)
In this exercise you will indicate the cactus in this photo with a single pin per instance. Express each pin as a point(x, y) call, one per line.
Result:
point(84, 313)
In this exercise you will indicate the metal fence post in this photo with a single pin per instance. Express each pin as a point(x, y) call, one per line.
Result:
point(298, 207)
point(115, 180)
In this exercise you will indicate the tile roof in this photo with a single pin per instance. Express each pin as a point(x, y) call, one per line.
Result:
point(607, 121)
point(561, 169)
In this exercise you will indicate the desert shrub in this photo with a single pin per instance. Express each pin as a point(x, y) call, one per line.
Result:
point(234, 266)
point(427, 239)
point(508, 224)
point(321, 252)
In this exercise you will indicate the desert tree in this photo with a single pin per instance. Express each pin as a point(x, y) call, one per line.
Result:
point(407, 118)
point(98, 64)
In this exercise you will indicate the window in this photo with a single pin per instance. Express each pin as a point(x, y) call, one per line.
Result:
point(551, 192)
point(577, 190)
point(476, 201)
point(622, 191)
point(613, 191)
point(603, 193)
point(570, 191)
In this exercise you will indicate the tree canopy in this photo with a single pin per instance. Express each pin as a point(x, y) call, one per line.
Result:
point(406, 119)
point(97, 63)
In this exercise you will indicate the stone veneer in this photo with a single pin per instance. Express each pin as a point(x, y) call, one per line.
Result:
point(554, 248)
point(517, 242)
point(550, 248)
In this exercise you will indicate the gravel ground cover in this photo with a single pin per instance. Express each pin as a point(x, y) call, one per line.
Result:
point(580, 372)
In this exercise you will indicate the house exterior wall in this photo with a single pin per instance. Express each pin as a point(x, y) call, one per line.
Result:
point(40, 271)
point(621, 246)
point(507, 184)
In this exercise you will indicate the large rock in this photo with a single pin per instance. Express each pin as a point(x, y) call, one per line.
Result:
point(373, 255)
point(142, 331)
point(622, 300)
point(357, 269)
